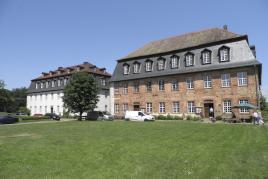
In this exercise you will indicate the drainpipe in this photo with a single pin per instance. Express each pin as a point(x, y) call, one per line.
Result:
point(257, 89)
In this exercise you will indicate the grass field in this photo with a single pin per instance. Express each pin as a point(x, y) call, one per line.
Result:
point(168, 149)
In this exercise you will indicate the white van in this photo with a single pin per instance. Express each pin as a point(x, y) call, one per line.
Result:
point(138, 116)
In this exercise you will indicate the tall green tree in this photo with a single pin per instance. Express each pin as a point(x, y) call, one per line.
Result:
point(81, 93)
point(262, 102)
point(20, 96)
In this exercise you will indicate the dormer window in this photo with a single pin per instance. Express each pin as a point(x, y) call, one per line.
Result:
point(206, 56)
point(224, 54)
point(189, 59)
point(174, 61)
point(36, 85)
point(136, 67)
point(149, 65)
point(126, 69)
point(161, 63)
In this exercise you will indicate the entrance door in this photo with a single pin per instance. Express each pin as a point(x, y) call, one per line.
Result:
point(207, 107)
point(51, 109)
point(136, 107)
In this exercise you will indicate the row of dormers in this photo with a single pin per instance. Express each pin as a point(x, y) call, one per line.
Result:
point(206, 58)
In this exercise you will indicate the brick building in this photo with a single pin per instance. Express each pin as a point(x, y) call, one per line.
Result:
point(187, 74)
point(45, 92)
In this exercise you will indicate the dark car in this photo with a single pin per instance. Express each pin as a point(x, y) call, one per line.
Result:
point(99, 115)
point(53, 116)
point(8, 119)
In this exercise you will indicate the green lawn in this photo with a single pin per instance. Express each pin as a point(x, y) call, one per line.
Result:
point(167, 149)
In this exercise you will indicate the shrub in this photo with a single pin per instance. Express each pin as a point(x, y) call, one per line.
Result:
point(218, 118)
point(33, 118)
point(177, 118)
point(161, 117)
point(168, 117)
point(193, 118)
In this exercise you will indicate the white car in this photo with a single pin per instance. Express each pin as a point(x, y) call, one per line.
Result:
point(138, 116)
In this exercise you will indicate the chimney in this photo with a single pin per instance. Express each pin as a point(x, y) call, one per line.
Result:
point(253, 50)
point(225, 27)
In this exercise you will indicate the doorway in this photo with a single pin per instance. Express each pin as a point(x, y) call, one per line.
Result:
point(208, 112)
point(51, 109)
point(136, 106)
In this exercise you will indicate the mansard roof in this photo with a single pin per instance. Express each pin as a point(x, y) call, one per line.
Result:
point(61, 71)
point(183, 42)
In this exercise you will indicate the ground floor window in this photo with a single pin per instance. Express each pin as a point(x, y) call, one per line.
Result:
point(227, 108)
point(176, 107)
point(125, 107)
point(191, 107)
point(149, 107)
point(162, 108)
point(243, 110)
point(116, 108)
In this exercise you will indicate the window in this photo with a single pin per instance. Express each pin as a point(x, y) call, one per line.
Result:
point(52, 84)
point(149, 107)
point(40, 109)
point(242, 79)
point(224, 53)
point(47, 84)
point(58, 109)
point(45, 109)
point(161, 64)
point(125, 107)
point(106, 94)
point(126, 69)
point(46, 96)
point(176, 107)
point(206, 56)
point(116, 87)
point(161, 84)
point(189, 59)
point(136, 67)
point(175, 85)
point(103, 81)
point(136, 87)
point(125, 88)
point(65, 81)
point(162, 108)
point(190, 83)
point(225, 80)
point(243, 110)
point(116, 108)
point(227, 108)
point(148, 86)
point(174, 62)
point(191, 107)
point(148, 65)
point(59, 83)
point(36, 85)
point(207, 81)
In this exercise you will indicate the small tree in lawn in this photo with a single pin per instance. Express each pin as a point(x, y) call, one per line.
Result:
point(81, 93)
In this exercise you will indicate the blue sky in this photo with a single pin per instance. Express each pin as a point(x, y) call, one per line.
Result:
point(37, 36)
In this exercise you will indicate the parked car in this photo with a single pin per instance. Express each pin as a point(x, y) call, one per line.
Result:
point(53, 116)
point(138, 116)
point(8, 119)
point(99, 115)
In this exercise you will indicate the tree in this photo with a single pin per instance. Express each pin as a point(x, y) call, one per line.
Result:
point(6, 100)
point(20, 96)
point(81, 93)
point(262, 102)
point(2, 84)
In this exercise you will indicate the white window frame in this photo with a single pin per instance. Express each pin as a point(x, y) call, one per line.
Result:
point(225, 80)
point(224, 54)
point(175, 106)
point(174, 62)
point(161, 64)
point(189, 60)
point(206, 57)
point(116, 108)
point(161, 85)
point(126, 69)
point(242, 79)
point(125, 107)
point(190, 83)
point(136, 68)
point(149, 107)
point(162, 107)
point(191, 107)
point(227, 106)
point(243, 110)
point(207, 81)
point(148, 66)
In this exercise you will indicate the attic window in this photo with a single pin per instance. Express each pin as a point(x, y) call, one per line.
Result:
point(174, 61)
point(149, 65)
point(126, 69)
point(224, 54)
point(189, 59)
point(161, 63)
point(136, 67)
point(206, 56)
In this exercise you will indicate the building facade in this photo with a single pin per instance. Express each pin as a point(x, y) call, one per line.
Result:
point(45, 92)
point(188, 74)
